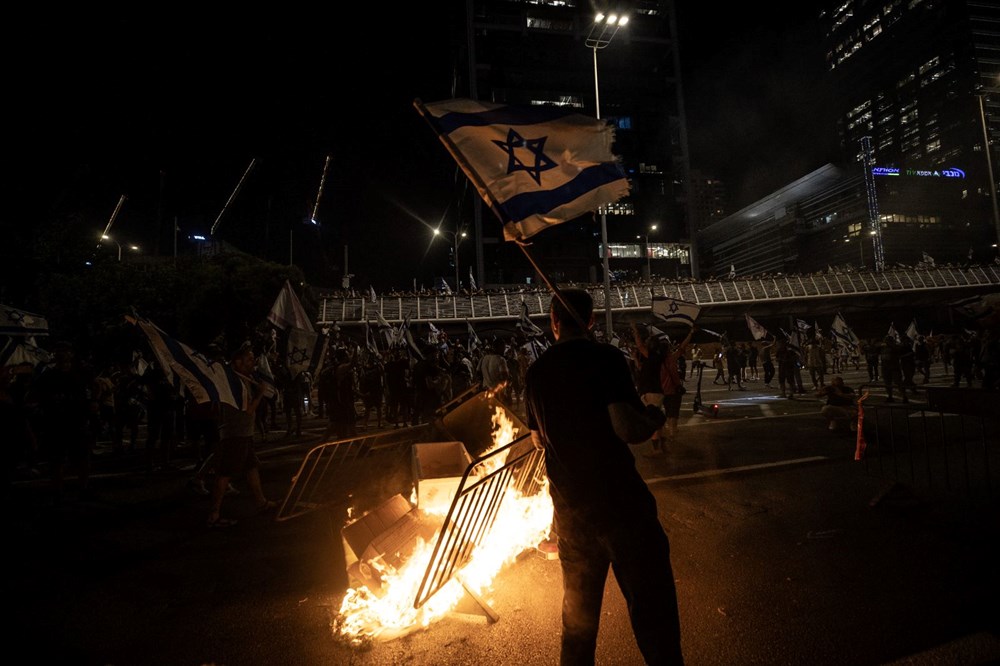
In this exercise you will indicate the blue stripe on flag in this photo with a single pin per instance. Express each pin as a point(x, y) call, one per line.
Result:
point(180, 356)
point(528, 115)
point(522, 206)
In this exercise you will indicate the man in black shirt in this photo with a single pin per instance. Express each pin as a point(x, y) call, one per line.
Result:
point(582, 409)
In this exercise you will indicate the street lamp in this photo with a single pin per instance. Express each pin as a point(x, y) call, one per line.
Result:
point(604, 29)
point(456, 237)
point(649, 270)
point(134, 248)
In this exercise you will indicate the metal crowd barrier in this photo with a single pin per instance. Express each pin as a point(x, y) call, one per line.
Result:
point(474, 509)
point(950, 448)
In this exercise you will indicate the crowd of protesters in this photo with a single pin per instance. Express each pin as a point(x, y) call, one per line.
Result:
point(55, 414)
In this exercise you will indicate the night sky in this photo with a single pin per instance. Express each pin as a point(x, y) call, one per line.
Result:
point(170, 110)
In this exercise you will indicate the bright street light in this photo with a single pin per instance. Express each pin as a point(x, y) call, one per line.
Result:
point(134, 248)
point(605, 27)
point(649, 270)
point(456, 237)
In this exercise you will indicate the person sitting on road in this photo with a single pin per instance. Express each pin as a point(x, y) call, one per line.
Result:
point(840, 410)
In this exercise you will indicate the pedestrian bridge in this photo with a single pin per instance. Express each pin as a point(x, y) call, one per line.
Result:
point(720, 299)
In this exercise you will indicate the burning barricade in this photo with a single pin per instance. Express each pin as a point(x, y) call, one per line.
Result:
point(411, 562)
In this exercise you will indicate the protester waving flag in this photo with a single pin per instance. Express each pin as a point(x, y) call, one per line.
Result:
point(535, 166)
point(911, 330)
point(893, 333)
point(205, 380)
point(675, 311)
point(758, 331)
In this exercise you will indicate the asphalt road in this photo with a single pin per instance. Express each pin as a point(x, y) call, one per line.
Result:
point(785, 550)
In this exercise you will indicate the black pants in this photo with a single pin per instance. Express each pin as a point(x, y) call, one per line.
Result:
point(637, 549)
point(768, 372)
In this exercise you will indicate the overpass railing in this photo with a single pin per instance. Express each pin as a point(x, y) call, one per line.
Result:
point(639, 296)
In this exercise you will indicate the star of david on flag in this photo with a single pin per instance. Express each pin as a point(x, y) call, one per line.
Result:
point(535, 166)
point(675, 311)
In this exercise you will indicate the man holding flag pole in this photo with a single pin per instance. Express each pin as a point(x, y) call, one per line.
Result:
point(536, 167)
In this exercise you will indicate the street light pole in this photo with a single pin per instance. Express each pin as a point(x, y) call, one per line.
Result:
point(456, 237)
point(601, 33)
point(649, 267)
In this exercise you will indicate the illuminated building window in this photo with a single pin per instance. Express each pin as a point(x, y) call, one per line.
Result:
point(929, 65)
point(854, 229)
point(906, 80)
point(908, 117)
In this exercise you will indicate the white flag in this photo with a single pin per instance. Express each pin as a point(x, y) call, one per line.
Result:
point(758, 331)
point(472, 281)
point(911, 330)
point(893, 333)
point(928, 260)
point(371, 294)
point(675, 311)
point(732, 271)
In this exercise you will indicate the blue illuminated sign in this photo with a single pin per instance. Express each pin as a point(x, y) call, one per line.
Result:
point(952, 172)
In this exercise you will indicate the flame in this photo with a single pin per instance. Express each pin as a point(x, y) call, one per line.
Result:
point(521, 523)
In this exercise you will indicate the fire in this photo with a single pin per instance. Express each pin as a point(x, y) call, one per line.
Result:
point(521, 523)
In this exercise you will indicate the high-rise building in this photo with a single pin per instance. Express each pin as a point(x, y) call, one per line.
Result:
point(921, 80)
point(919, 87)
point(709, 200)
point(543, 52)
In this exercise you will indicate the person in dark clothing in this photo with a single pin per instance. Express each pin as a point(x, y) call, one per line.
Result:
point(890, 369)
point(582, 409)
point(397, 371)
point(734, 363)
point(63, 419)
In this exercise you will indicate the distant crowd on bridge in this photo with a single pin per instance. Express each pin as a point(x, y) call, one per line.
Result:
point(540, 287)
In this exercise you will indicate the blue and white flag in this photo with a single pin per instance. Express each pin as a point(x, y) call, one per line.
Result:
point(675, 311)
point(305, 352)
point(758, 331)
point(22, 350)
point(371, 294)
point(407, 337)
point(205, 380)
point(265, 376)
point(472, 281)
point(911, 330)
point(370, 342)
point(844, 333)
point(893, 333)
point(525, 325)
point(287, 311)
point(535, 166)
point(474, 341)
point(387, 330)
point(19, 322)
